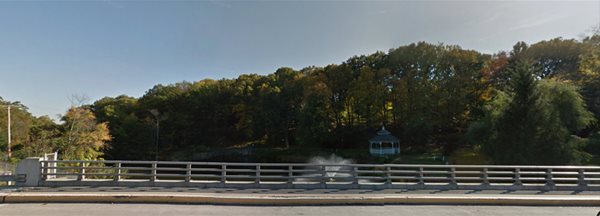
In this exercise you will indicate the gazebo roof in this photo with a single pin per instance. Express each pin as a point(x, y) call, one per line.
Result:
point(384, 136)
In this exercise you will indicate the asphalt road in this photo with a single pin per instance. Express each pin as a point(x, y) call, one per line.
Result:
point(216, 210)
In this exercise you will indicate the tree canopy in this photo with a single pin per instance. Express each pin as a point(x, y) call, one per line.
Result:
point(514, 105)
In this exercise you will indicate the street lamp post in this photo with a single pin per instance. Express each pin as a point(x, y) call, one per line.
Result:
point(155, 113)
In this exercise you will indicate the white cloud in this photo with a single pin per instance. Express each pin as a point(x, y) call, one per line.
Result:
point(539, 21)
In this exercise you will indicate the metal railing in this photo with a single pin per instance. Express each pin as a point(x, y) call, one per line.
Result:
point(291, 175)
point(6, 174)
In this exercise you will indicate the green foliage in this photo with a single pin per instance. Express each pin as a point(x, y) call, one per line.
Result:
point(78, 137)
point(593, 145)
point(42, 137)
point(427, 94)
point(82, 137)
point(568, 104)
point(21, 122)
point(535, 124)
point(314, 118)
point(417, 133)
point(555, 58)
point(132, 136)
point(432, 96)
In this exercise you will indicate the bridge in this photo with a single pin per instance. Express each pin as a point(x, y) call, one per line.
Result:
point(34, 172)
point(79, 181)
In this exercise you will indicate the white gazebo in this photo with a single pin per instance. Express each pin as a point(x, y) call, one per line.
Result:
point(384, 144)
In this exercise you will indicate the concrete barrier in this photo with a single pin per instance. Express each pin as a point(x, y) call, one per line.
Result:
point(31, 169)
point(274, 199)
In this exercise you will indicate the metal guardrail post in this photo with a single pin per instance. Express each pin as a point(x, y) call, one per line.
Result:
point(223, 173)
point(453, 176)
point(486, 180)
point(43, 169)
point(517, 178)
point(324, 175)
point(257, 174)
point(355, 175)
point(153, 176)
point(290, 179)
point(117, 172)
point(549, 180)
point(388, 175)
point(421, 176)
point(188, 172)
point(581, 178)
point(81, 175)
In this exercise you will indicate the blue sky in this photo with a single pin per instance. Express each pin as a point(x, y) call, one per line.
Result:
point(50, 50)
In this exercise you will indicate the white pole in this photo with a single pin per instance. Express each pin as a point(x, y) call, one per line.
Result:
point(9, 138)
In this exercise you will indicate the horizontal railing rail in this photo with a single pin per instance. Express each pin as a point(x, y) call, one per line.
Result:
point(319, 175)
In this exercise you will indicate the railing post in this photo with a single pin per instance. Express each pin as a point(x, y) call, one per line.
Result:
point(581, 178)
point(323, 175)
point(486, 180)
point(517, 179)
point(51, 170)
point(257, 175)
point(388, 175)
point(117, 172)
point(188, 172)
point(44, 169)
point(81, 175)
point(223, 173)
point(153, 172)
point(355, 175)
point(421, 176)
point(453, 176)
point(549, 180)
point(290, 179)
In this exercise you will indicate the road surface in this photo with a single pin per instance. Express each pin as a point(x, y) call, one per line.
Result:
point(222, 210)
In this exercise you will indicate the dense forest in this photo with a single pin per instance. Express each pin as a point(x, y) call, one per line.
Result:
point(535, 104)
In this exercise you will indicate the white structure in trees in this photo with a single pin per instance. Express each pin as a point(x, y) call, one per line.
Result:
point(384, 143)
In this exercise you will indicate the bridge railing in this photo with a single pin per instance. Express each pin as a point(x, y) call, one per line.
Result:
point(292, 175)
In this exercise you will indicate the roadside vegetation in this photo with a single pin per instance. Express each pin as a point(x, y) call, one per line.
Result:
point(535, 104)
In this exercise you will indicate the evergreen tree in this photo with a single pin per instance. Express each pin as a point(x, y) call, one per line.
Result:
point(533, 122)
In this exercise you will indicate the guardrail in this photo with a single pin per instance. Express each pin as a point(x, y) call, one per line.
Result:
point(301, 175)
point(7, 179)
point(6, 174)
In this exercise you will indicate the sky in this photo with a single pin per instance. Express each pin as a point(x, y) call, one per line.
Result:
point(52, 50)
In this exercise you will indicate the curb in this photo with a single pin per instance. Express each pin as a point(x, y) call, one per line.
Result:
point(278, 200)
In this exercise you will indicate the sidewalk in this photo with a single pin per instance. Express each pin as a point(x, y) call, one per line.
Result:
point(297, 196)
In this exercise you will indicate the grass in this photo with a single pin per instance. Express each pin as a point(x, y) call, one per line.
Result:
point(468, 156)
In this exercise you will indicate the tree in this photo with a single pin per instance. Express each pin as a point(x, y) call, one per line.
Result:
point(82, 137)
point(43, 136)
point(533, 122)
point(338, 79)
point(555, 58)
point(369, 92)
point(132, 137)
point(589, 75)
point(314, 118)
point(21, 121)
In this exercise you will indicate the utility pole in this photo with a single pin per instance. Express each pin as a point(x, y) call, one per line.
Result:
point(9, 138)
point(8, 127)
